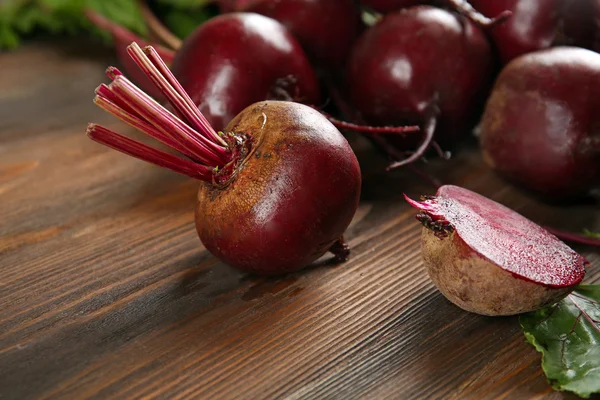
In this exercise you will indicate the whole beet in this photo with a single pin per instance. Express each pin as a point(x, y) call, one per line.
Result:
point(541, 125)
point(397, 77)
point(326, 29)
point(279, 185)
point(292, 198)
point(237, 59)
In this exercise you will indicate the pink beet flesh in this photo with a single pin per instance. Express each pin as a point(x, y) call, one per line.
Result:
point(505, 238)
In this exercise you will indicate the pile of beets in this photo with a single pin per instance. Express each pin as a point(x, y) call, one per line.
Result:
point(522, 75)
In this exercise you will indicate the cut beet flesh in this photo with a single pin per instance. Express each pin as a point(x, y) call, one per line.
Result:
point(502, 237)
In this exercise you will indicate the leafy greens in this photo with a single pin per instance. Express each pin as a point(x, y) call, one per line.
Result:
point(568, 336)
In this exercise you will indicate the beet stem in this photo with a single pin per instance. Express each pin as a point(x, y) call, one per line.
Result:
point(430, 125)
point(162, 79)
point(146, 153)
point(573, 237)
point(371, 129)
point(194, 116)
point(126, 35)
point(466, 9)
point(143, 126)
point(420, 205)
point(379, 141)
point(158, 28)
point(164, 120)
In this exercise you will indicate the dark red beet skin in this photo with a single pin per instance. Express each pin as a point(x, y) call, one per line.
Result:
point(418, 59)
point(237, 59)
point(538, 24)
point(325, 28)
point(541, 125)
point(385, 6)
point(293, 197)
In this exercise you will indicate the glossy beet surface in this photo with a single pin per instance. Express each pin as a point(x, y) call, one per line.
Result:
point(385, 6)
point(237, 59)
point(291, 199)
point(325, 28)
point(538, 24)
point(505, 238)
point(541, 125)
point(396, 76)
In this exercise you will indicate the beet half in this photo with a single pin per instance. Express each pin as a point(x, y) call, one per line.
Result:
point(397, 77)
point(488, 259)
point(279, 186)
point(236, 59)
point(541, 125)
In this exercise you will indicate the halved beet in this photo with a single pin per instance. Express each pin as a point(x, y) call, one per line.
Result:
point(488, 259)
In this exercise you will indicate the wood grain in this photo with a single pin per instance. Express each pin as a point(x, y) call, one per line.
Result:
point(106, 291)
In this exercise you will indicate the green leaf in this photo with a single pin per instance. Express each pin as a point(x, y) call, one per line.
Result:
point(182, 23)
point(186, 4)
point(568, 336)
point(591, 234)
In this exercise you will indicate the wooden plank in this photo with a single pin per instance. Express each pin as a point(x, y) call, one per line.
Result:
point(106, 290)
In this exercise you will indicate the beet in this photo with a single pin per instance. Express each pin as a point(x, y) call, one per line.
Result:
point(538, 24)
point(237, 59)
point(263, 204)
point(325, 28)
point(396, 77)
point(488, 259)
point(541, 125)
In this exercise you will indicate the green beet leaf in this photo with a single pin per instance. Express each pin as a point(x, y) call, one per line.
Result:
point(591, 234)
point(568, 336)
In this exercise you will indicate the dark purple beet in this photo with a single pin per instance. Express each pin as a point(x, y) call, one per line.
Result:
point(325, 28)
point(237, 59)
point(541, 125)
point(488, 259)
point(417, 61)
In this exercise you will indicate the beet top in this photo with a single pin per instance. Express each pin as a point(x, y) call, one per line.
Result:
point(502, 236)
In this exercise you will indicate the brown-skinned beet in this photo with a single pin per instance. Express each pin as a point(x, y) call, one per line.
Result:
point(279, 185)
point(290, 200)
point(396, 77)
point(237, 59)
point(541, 126)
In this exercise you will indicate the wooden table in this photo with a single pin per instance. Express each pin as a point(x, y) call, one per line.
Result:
point(106, 291)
